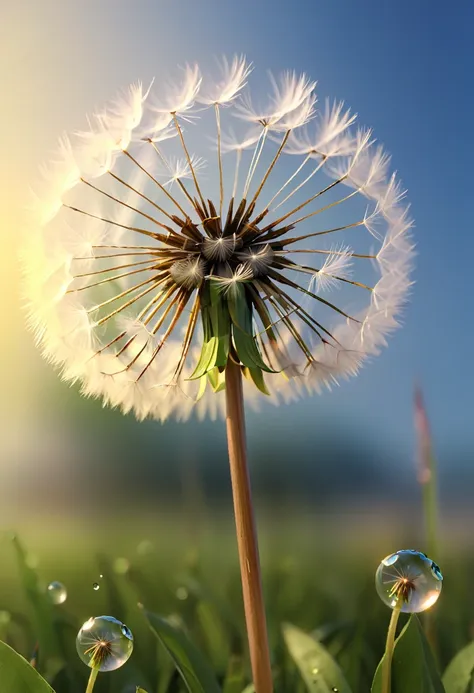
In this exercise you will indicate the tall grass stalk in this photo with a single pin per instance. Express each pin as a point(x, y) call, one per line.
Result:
point(427, 478)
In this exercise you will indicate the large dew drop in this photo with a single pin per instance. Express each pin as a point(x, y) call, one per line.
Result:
point(104, 643)
point(57, 592)
point(409, 576)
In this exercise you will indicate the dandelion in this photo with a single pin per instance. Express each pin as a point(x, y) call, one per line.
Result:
point(158, 289)
point(104, 644)
point(406, 581)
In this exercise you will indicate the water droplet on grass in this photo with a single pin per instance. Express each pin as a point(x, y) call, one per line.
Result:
point(57, 592)
point(411, 576)
point(96, 586)
point(104, 643)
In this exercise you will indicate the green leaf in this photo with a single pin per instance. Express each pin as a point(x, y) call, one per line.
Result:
point(459, 673)
point(220, 325)
point(318, 669)
point(413, 665)
point(256, 376)
point(16, 674)
point(195, 671)
point(217, 379)
point(140, 690)
point(240, 310)
point(207, 360)
point(214, 634)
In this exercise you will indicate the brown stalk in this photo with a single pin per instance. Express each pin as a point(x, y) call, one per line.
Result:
point(246, 532)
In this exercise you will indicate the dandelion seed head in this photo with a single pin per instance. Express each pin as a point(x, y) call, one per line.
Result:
point(104, 643)
point(409, 577)
point(142, 276)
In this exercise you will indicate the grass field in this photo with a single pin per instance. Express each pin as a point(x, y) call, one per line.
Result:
point(318, 575)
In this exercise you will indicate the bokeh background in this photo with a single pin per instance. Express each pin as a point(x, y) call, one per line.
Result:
point(344, 460)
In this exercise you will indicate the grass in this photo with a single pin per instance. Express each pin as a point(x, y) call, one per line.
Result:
point(321, 580)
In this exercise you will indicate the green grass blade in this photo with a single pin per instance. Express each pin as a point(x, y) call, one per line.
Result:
point(50, 656)
point(234, 679)
point(319, 670)
point(459, 673)
point(195, 671)
point(16, 674)
point(214, 635)
point(413, 665)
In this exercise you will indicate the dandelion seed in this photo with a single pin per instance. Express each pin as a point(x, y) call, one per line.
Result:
point(337, 266)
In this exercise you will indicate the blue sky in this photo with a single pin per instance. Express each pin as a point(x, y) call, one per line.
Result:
point(403, 67)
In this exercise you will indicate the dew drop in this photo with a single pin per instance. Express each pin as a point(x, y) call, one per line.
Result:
point(415, 579)
point(96, 586)
point(315, 671)
point(104, 643)
point(57, 592)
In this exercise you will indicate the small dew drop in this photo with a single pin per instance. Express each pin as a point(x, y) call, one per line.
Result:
point(336, 690)
point(315, 671)
point(57, 592)
point(96, 586)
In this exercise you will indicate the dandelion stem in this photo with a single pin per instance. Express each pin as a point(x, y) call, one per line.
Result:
point(387, 660)
point(91, 682)
point(246, 532)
